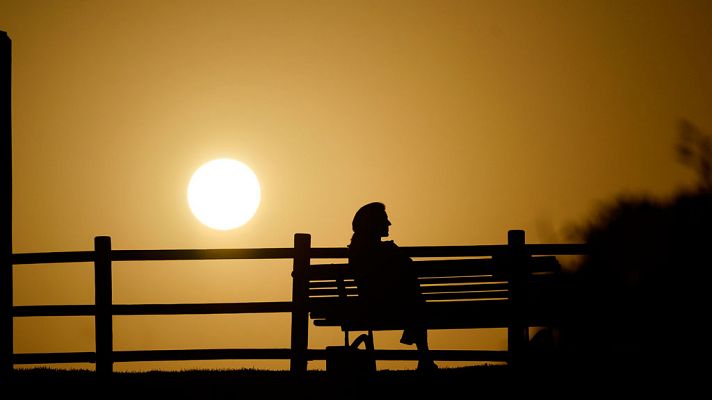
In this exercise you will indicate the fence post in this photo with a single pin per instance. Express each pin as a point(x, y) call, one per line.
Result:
point(6, 323)
point(518, 332)
point(300, 313)
point(103, 321)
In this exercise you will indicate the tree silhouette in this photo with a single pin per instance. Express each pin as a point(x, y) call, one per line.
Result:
point(639, 296)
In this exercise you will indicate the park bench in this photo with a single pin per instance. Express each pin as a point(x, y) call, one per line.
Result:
point(500, 286)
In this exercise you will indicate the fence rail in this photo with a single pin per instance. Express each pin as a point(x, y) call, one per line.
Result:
point(103, 257)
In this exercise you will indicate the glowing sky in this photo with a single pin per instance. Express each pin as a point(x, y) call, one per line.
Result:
point(466, 118)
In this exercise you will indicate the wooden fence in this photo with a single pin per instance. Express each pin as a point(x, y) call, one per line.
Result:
point(103, 258)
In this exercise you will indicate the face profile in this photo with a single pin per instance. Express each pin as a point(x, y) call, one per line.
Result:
point(383, 225)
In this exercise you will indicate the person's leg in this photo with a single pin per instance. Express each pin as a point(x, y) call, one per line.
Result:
point(425, 359)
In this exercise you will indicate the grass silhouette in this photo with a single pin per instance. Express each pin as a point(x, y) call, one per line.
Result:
point(472, 381)
point(202, 384)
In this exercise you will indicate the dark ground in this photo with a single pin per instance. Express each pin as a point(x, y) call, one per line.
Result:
point(481, 381)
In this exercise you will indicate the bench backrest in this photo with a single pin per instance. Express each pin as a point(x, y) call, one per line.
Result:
point(465, 292)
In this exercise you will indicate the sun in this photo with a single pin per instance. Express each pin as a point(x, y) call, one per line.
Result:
point(224, 194)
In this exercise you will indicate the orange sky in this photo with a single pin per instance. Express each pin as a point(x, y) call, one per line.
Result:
point(466, 118)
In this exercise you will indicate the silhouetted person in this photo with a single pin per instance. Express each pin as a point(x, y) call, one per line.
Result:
point(386, 284)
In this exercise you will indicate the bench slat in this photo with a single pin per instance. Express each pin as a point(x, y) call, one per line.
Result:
point(440, 268)
point(477, 287)
point(457, 279)
point(330, 283)
point(441, 285)
point(499, 294)
point(471, 314)
point(423, 281)
point(443, 315)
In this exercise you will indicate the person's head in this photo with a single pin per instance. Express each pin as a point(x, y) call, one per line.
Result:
point(371, 220)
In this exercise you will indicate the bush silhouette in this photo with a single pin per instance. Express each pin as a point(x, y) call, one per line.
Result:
point(640, 295)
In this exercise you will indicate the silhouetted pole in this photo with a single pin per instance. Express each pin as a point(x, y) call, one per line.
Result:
point(300, 316)
point(103, 321)
point(518, 332)
point(6, 335)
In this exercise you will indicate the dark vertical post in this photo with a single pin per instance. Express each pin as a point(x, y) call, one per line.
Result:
point(518, 333)
point(103, 321)
point(300, 313)
point(6, 334)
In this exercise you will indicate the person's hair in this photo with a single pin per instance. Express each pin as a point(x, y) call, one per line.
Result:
point(366, 218)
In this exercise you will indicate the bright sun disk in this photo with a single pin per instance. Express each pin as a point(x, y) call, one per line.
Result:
point(224, 194)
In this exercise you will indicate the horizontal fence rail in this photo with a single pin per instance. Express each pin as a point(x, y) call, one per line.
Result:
point(103, 256)
point(284, 253)
point(53, 258)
